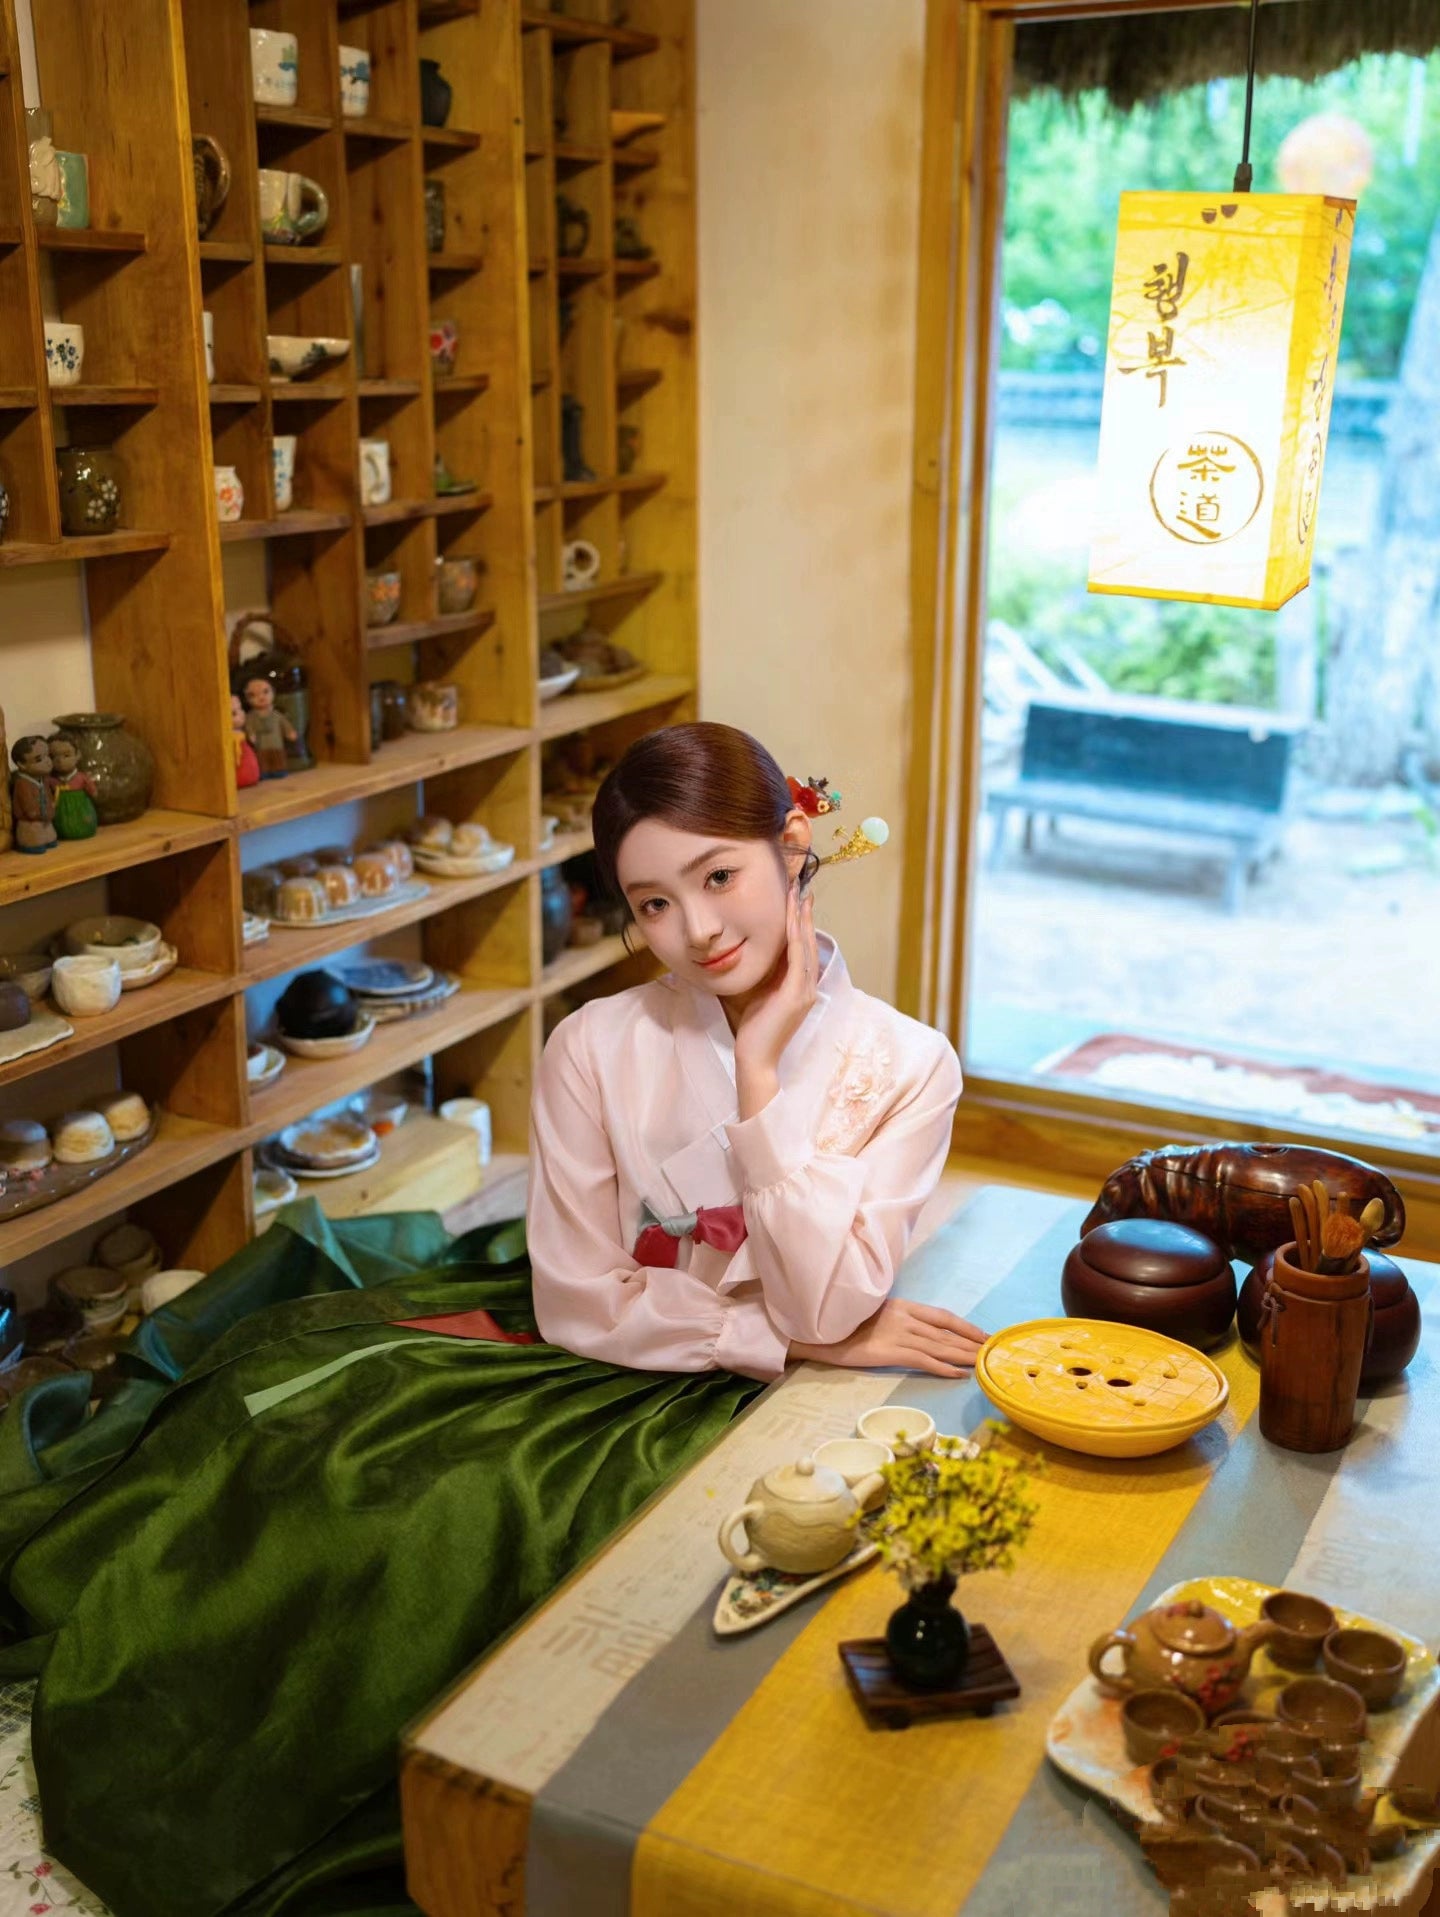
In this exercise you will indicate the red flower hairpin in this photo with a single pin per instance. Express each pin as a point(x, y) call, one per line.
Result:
point(815, 799)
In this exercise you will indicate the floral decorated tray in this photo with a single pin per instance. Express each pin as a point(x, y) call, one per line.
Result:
point(750, 1600)
point(1085, 1741)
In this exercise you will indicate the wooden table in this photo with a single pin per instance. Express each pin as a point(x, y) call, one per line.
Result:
point(613, 1757)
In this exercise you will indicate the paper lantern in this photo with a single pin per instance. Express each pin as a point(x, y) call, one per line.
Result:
point(1220, 369)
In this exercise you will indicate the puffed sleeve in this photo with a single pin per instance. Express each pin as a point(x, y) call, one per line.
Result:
point(591, 1297)
point(827, 1229)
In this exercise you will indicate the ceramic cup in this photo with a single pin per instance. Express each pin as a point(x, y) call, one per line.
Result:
point(855, 1459)
point(1325, 1708)
point(456, 582)
point(581, 564)
point(274, 66)
point(354, 82)
point(282, 460)
point(285, 218)
point(435, 216)
point(64, 353)
point(229, 495)
point(901, 1426)
point(1154, 1722)
point(444, 347)
point(1368, 1661)
point(382, 597)
point(85, 985)
point(374, 471)
point(208, 321)
point(74, 208)
point(1303, 1624)
point(431, 706)
point(475, 1113)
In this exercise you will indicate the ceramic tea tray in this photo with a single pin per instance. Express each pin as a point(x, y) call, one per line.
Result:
point(1085, 1740)
point(748, 1601)
point(30, 1191)
point(361, 909)
point(46, 1028)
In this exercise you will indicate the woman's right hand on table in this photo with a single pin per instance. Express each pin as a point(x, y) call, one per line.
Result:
point(903, 1336)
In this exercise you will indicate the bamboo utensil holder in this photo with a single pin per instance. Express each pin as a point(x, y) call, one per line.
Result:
point(1314, 1333)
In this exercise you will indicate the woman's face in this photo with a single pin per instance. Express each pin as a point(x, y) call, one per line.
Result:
point(711, 909)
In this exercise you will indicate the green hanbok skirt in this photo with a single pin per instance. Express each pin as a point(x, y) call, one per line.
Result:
point(296, 1523)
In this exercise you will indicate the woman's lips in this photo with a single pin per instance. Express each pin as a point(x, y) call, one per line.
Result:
point(722, 960)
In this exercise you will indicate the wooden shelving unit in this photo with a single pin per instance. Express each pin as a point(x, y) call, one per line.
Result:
point(533, 92)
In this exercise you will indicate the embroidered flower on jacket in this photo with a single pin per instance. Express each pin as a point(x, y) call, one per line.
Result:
point(863, 1081)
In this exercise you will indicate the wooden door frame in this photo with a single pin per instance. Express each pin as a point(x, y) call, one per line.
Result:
point(969, 48)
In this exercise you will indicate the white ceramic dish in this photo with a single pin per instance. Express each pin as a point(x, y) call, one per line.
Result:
point(560, 682)
point(327, 1143)
point(386, 1011)
point(387, 978)
point(332, 1047)
point(164, 962)
point(332, 1171)
point(44, 1030)
point(273, 1188)
point(253, 929)
point(440, 865)
point(293, 354)
point(132, 943)
point(362, 908)
point(264, 1068)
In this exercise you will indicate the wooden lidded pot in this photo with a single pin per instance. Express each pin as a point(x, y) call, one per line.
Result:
point(1149, 1271)
point(1395, 1337)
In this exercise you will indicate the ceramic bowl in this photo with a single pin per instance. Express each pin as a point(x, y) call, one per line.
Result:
point(559, 682)
point(85, 984)
point(456, 583)
point(263, 1065)
point(855, 1459)
point(904, 1429)
point(1304, 1624)
point(273, 1188)
point(382, 597)
point(30, 971)
point(1327, 1709)
point(134, 944)
point(331, 1047)
point(1368, 1661)
point(292, 354)
point(1153, 1723)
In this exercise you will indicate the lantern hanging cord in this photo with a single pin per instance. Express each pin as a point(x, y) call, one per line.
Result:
point(1244, 173)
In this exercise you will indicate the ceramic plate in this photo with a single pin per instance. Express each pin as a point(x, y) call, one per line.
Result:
point(1085, 1741)
point(273, 1188)
point(46, 1028)
point(164, 962)
point(326, 1142)
point(387, 978)
point(386, 1011)
point(265, 1067)
point(362, 908)
point(749, 1601)
point(333, 1171)
point(253, 929)
point(561, 682)
point(440, 865)
point(331, 1047)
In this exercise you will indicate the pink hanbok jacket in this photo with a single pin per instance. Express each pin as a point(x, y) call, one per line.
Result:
point(635, 1120)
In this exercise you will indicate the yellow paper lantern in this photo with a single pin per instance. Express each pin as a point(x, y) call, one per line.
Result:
point(1220, 369)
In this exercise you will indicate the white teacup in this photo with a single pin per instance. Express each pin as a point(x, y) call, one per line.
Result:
point(229, 495)
point(855, 1459)
point(274, 66)
point(64, 353)
point(354, 82)
point(475, 1113)
point(374, 471)
point(85, 985)
point(905, 1429)
point(282, 454)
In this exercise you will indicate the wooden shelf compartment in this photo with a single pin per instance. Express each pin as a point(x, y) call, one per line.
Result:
point(565, 845)
point(579, 962)
point(318, 258)
point(139, 396)
point(394, 511)
point(576, 153)
point(578, 711)
point(634, 159)
point(632, 381)
point(293, 951)
point(230, 394)
point(479, 501)
point(382, 132)
point(626, 43)
point(455, 139)
point(297, 117)
point(18, 399)
point(308, 392)
point(407, 761)
point(600, 488)
point(637, 269)
point(454, 263)
point(460, 385)
point(88, 239)
point(628, 585)
point(114, 848)
point(387, 388)
point(183, 991)
point(229, 252)
point(580, 269)
point(291, 525)
point(181, 1146)
point(307, 1084)
point(81, 546)
point(412, 631)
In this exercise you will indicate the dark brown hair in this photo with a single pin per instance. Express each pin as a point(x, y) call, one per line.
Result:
point(702, 778)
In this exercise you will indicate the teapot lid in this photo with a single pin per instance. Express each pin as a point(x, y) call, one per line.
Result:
point(1192, 1627)
point(805, 1482)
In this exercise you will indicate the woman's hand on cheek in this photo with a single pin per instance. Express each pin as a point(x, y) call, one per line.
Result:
point(904, 1337)
point(776, 1014)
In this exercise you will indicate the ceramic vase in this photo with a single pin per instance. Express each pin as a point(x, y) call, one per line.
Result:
point(118, 762)
point(927, 1639)
point(91, 489)
point(436, 94)
point(556, 913)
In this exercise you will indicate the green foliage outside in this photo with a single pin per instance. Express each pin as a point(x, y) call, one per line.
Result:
point(1068, 162)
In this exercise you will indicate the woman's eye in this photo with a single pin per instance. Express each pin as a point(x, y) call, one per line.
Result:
point(651, 908)
point(721, 876)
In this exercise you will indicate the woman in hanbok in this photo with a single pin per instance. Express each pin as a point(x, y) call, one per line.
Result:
point(345, 1462)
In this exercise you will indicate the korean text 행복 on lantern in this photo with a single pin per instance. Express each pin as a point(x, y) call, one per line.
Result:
point(1219, 373)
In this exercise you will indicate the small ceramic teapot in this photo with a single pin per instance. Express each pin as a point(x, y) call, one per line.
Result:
point(798, 1518)
point(1188, 1646)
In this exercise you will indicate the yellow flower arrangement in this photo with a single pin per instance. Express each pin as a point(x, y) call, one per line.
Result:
point(945, 1516)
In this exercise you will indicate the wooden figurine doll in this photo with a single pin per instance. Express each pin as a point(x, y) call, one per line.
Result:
point(247, 765)
point(72, 791)
point(30, 794)
point(267, 729)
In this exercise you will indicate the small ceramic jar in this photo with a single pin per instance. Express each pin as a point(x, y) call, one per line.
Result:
point(434, 707)
point(229, 495)
point(274, 67)
point(64, 353)
point(91, 490)
point(85, 986)
point(382, 597)
point(118, 762)
point(375, 471)
point(282, 460)
point(444, 347)
point(354, 82)
point(456, 581)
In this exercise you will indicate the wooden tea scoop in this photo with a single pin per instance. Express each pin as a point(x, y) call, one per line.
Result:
point(1373, 1217)
point(1302, 1233)
point(1341, 1240)
point(1312, 1225)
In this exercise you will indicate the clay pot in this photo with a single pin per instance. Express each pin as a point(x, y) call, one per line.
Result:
point(118, 762)
point(1147, 1271)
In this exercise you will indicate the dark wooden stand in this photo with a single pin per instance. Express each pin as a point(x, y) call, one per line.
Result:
point(890, 1705)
